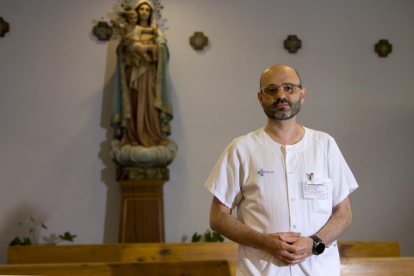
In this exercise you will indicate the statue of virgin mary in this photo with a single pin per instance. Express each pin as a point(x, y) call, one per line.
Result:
point(142, 108)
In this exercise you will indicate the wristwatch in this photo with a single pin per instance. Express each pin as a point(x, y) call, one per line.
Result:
point(318, 245)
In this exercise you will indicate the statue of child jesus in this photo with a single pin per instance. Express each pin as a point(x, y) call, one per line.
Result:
point(131, 36)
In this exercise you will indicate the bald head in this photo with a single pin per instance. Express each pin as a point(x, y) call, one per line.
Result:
point(280, 71)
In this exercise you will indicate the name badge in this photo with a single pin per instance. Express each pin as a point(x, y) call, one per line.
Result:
point(315, 190)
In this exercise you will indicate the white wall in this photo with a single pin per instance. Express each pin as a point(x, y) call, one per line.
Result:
point(56, 91)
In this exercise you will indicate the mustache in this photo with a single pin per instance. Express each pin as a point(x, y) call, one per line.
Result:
point(280, 101)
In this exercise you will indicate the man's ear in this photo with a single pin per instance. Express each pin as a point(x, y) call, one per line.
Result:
point(302, 95)
point(260, 97)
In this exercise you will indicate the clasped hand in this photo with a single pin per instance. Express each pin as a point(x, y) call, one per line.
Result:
point(290, 247)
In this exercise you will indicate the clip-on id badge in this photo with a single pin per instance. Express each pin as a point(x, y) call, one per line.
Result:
point(314, 189)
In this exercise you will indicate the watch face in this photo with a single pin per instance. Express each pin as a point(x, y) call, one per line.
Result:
point(320, 247)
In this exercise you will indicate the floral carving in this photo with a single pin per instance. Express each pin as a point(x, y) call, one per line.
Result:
point(198, 41)
point(292, 44)
point(383, 48)
point(4, 27)
point(103, 31)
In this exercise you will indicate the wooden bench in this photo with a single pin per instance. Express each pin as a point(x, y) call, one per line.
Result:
point(363, 249)
point(151, 252)
point(349, 267)
point(401, 266)
point(158, 252)
point(178, 268)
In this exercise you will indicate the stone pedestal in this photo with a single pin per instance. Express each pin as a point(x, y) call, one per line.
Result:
point(142, 204)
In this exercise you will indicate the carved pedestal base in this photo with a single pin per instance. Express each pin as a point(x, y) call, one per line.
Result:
point(142, 205)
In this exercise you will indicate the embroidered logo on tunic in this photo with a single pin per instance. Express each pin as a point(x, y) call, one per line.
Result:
point(262, 172)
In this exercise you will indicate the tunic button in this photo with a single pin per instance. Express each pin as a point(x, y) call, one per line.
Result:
point(290, 172)
point(293, 199)
point(294, 226)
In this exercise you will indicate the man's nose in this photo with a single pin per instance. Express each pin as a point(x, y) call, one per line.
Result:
point(280, 94)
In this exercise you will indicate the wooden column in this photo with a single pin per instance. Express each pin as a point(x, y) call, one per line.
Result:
point(142, 204)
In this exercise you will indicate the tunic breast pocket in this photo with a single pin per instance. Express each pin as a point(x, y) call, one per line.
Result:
point(323, 205)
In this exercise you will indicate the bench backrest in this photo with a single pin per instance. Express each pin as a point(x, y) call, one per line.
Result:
point(363, 249)
point(349, 267)
point(150, 252)
point(377, 266)
point(174, 268)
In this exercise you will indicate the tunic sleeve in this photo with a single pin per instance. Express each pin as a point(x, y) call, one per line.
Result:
point(224, 180)
point(343, 181)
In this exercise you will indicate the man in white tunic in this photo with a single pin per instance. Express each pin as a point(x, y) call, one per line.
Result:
point(290, 185)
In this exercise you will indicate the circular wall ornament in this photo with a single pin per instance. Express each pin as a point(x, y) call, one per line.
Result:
point(198, 41)
point(383, 48)
point(4, 27)
point(103, 31)
point(292, 44)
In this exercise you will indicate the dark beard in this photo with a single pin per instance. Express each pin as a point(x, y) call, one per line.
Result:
point(281, 113)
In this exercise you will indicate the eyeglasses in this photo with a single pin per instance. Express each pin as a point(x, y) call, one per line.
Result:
point(287, 88)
